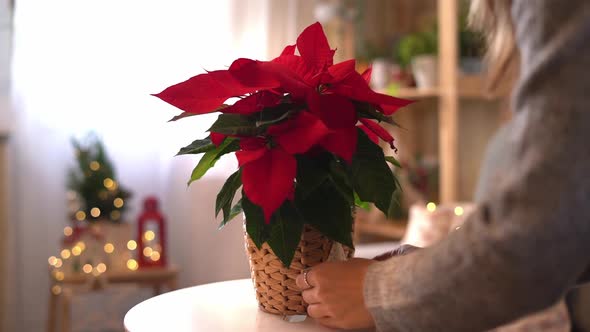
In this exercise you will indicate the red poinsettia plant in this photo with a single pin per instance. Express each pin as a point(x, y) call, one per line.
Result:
point(305, 132)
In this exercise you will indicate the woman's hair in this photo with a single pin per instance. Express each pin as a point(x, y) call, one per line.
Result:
point(494, 19)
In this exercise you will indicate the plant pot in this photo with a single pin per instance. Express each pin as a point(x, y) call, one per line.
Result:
point(381, 73)
point(275, 286)
point(425, 70)
point(471, 65)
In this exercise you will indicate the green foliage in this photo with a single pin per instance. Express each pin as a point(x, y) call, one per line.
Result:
point(187, 114)
point(371, 177)
point(324, 199)
point(326, 187)
point(420, 43)
point(212, 156)
point(425, 42)
point(198, 146)
point(328, 211)
point(393, 161)
point(258, 230)
point(274, 115)
point(285, 234)
point(94, 181)
point(312, 172)
point(326, 191)
point(361, 204)
point(367, 110)
point(282, 234)
point(340, 178)
point(234, 212)
point(253, 124)
point(235, 124)
point(227, 193)
point(471, 43)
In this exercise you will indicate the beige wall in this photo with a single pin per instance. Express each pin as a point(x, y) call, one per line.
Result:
point(288, 18)
point(3, 231)
point(5, 52)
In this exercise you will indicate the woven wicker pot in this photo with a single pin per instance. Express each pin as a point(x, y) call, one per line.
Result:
point(276, 290)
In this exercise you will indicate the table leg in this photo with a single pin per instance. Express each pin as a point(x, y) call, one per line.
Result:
point(66, 311)
point(173, 284)
point(157, 289)
point(51, 319)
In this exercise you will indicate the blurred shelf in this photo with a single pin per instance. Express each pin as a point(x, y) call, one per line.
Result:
point(417, 93)
point(475, 87)
point(143, 275)
point(393, 230)
point(469, 87)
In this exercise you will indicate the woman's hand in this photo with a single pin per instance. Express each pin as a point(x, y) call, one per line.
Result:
point(334, 292)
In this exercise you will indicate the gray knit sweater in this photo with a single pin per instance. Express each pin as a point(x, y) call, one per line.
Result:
point(529, 240)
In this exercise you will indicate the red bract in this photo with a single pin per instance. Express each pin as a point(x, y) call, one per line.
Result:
point(372, 136)
point(217, 138)
point(268, 182)
point(316, 102)
point(267, 177)
point(379, 131)
point(254, 103)
point(206, 92)
point(299, 134)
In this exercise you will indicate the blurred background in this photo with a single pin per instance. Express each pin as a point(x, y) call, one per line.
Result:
point(95, 213)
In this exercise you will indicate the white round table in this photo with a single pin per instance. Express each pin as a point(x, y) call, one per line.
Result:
point(221, 306)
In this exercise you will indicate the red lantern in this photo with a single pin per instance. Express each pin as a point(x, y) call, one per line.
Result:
point(151, 235)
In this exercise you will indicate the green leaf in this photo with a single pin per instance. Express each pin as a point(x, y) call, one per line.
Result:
point(212, 156)
point(312, 172)
point(393, 161)
point(372, 178)
point(340, 178)
point(235, 124)
point(235, 211)
point(198, 146)
point(257, 229)
point(287, 226)
point(227, 193)
point(328, 211)
point(366, 110)
point(187, 114)
point(274, 115)
point(363, 205)
point(182, 116)
point(395, 208)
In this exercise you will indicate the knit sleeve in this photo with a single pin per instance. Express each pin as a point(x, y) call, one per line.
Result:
point(528, 241)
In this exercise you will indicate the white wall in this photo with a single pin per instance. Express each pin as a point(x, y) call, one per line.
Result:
point(5, 51)
point(43, 51)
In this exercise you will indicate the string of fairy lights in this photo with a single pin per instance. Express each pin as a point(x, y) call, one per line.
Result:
point(111, 187)
point(152, 251)
point(90, 248)
point(94, 193)
point(458, 210)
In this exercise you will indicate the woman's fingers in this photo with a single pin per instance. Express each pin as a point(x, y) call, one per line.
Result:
point(304, 280)
point(310, 296)
point(317, 311)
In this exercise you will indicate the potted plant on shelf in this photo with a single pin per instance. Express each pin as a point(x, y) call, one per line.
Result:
point(305, 132)
point(419, 52)
point(471, 48)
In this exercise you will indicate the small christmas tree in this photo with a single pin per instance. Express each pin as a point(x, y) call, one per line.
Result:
point(94, 184)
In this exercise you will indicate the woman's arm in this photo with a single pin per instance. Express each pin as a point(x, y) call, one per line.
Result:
point(530, 239)
point(585, 277)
